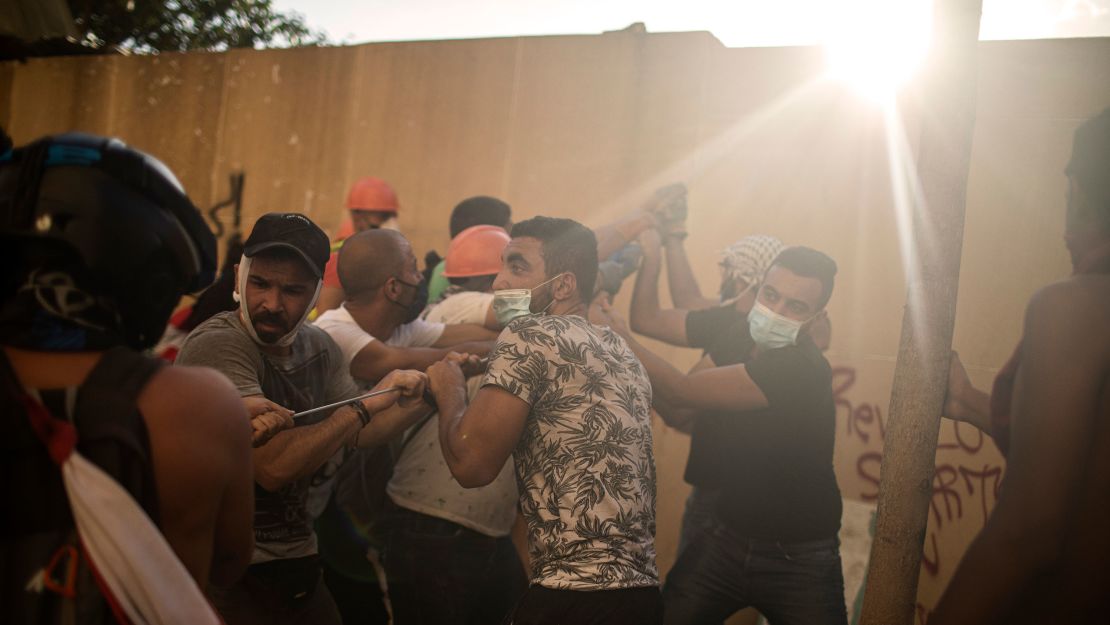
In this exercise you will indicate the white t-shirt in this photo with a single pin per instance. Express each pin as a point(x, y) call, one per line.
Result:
point(422, 481)
point(351, 338)
point(465, 307)
point(343, 329)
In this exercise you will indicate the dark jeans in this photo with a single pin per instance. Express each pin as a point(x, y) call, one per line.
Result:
point(288, 592)
point(360, 602)
point(789, 583)
point(626, 606)
point(697, 515)
point(440, 572)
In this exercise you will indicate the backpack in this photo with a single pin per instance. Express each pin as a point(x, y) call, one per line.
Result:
point(46, 577)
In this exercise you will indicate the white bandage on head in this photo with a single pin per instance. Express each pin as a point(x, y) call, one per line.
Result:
point(245, 313)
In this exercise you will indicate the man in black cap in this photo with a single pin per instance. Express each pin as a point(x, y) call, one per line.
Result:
point(281, 365)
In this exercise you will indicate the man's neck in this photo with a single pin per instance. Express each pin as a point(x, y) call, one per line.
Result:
point(1096, 256)
point(568, 307)
point(379, 318)
point(36, 369)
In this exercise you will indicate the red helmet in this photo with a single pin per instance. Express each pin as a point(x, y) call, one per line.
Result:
point(476, 251)
point(372, 194)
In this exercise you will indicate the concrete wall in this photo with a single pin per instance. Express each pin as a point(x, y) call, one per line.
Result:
point(585, 126)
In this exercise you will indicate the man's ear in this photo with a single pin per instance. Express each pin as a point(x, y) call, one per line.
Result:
point(565, 287)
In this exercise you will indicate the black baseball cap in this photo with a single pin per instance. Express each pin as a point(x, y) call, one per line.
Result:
point(293, 231)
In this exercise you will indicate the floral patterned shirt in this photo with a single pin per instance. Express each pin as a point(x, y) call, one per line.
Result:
point(584, 463)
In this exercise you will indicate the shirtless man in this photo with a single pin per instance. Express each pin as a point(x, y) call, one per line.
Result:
point(81, 297)
point(1044, 555)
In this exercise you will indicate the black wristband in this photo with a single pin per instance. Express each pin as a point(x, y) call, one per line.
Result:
point(430, 399)
point(363, 413)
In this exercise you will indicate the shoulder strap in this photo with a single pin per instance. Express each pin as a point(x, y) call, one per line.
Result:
point(106, 402)
point(124, 372)
point(111, 430)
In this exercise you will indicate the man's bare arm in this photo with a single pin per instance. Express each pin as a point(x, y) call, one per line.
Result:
point(377, 359)
point(200, 437)
point(298, 452)
point(391, 422)
point(613, 236)
point(1062, 373)
point(720, 388)
point(964, 402)
point(681, 419)
point(646, 316)
point(685, 292)
point(476, 440)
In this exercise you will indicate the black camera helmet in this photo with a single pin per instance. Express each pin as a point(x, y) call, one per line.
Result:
point(120, 214)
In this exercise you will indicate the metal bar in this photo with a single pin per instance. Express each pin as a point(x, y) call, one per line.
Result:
point(345, 402)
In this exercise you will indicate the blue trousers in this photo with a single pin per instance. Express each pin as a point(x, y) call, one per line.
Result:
point(721, 572)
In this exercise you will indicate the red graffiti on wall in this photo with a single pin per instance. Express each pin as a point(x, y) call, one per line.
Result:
point(958, 489)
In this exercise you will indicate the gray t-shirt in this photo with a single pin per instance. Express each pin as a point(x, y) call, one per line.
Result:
point(584, 462)
point(314, 373)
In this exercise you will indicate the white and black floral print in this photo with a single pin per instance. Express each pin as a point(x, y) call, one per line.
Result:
point(584, 463)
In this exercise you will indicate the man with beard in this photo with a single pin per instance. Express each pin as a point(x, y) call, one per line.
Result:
point(267, 354)
point(572, 405)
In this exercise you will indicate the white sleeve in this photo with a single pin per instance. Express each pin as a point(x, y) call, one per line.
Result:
point(420, 333)
point(347, 335)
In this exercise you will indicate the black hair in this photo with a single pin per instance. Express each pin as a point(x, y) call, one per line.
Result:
point(1090, 163)
point(568, 246)
point(809, 263)
point(480, 210)
point(217, 298)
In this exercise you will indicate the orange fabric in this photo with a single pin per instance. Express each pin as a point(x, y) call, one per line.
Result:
point(331, 271)
point(346, 229)
point(476, 251)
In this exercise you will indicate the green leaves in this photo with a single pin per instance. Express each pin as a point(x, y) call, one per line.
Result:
point(148, 26)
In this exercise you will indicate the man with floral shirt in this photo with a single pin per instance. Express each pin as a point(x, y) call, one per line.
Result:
point(571, 403)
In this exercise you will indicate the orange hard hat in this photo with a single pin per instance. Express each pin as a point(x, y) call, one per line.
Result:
point(476, 251)
point(372, 194)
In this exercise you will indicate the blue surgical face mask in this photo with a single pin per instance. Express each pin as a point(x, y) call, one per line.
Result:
point(508, 304)
point(771, 330)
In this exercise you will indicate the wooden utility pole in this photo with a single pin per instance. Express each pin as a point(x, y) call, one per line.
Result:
point(947, 114)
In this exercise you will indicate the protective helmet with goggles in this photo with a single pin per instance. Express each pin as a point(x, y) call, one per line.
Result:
point(119, 216)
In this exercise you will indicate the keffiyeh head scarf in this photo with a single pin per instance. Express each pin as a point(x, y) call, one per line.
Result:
point(749, 258)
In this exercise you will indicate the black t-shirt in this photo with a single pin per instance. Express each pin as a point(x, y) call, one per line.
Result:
point(722, 331)
point(780, 484)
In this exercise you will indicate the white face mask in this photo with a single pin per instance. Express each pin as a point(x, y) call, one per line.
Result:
point(771, 330)
point(244, 311)
point(508, 304)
